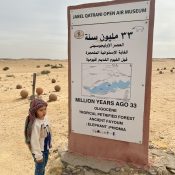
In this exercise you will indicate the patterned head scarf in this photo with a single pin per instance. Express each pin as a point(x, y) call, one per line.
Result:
point(34, 106)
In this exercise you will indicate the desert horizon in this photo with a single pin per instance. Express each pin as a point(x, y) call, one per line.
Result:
point(66, 59)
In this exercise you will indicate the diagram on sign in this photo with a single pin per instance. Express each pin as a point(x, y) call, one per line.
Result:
point(107, 80)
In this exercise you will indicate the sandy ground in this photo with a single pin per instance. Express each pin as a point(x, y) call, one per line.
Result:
point(15, 158)
point(162, 119)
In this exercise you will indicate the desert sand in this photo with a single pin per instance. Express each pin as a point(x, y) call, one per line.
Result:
point(15, 158)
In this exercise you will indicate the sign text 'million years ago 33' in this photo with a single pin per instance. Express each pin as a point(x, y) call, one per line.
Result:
point(108, 70)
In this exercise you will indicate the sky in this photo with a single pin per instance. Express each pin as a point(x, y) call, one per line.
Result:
point(38, 28)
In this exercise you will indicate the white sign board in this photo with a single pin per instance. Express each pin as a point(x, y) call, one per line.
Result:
point(108, 70)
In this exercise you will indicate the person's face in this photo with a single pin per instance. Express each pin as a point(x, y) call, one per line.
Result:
point(41, 112)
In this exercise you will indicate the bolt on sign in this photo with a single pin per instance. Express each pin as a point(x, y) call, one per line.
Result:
point(110, 52)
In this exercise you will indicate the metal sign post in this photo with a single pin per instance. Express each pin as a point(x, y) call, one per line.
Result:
point(33, 86)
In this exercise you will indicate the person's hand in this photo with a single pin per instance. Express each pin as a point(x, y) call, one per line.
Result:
point(39, 161)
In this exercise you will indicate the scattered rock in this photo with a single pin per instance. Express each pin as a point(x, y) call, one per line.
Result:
point(39, 91)
point(170, 152)
point(55, 151)
point(161, 137)
point(171, 166)
point(18, 86)
point(57, 88)
point(56, 66)
point(47, 65)
point(45, 71)
point(170, 169)
point(11, 75)
point(151, 146)
point(24, 94)
point(77, 171)
point(52, 97)
point(6, 68)
point(53, 80)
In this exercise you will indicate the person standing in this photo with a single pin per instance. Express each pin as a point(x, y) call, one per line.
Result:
point(38, 134)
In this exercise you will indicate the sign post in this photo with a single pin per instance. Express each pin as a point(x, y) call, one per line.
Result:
point(110, 56)
point(33, 87)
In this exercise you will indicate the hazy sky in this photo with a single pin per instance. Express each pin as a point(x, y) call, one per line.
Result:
point(38, 28)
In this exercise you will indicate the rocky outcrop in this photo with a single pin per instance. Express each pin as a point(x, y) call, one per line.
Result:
point(162, 162)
